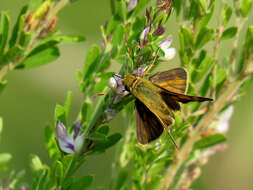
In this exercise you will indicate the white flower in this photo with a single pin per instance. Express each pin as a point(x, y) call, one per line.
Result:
point(165, 46)
point(68, 143)
point(223, 124)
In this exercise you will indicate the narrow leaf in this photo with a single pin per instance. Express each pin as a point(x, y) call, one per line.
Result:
point(97, 137)
point(229, 33)
point(91, 62)
point(82, 183)
point(4, 29)
point(210, 141)
point(121, 179)
point(16, 28)
point(60, 114)
point(41, 58)
point(118, 35)
point(205, 35)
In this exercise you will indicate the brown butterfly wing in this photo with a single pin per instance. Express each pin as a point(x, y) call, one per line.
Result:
point(174, 80)
point(177, 97)
point(148, 127)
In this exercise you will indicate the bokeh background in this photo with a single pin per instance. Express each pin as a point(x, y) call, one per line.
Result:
point(27, 105)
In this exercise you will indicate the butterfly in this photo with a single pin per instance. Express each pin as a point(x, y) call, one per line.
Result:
point(156, 100)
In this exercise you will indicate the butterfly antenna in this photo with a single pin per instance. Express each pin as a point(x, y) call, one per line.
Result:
point(152, 64)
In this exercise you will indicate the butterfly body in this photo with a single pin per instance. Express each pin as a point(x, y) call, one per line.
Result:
point(156, 100)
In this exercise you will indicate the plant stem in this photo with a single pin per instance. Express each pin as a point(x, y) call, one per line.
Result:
point(196, 133)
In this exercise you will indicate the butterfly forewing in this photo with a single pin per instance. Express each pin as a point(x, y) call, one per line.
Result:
point(148, 127)
point(183, 98)
point(174, 80)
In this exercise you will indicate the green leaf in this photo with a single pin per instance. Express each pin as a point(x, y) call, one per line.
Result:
point(203, 4)
point(118, 35)
point(104, 129)
point(177, 5)
point(2, 85)
point(220, 78)
point(121, 179)
point(4, 157)
point(229, 33)
point(249, 39)
point(247, 49)
point(18, 26)
point(201, 67)
point(205, 20)
point(140, 6)
point(245, 7)
point(35, 163)
point(68, 103)
point(58, 171)
point(187, 36)
point(42, 57)
point(12, 55)
point(113, 23)
point(111, 140)
point(209, 141)
point(226, 14)
point(4, 29)
point(51, 143)
point(97, 137)
point(82, 183)
point(206, 85)
point(24, 39)
point(122, 9)
point(205, 35)
point(91, 62)
point(60, 114)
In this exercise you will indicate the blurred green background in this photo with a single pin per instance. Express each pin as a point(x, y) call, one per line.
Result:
point(28, 102)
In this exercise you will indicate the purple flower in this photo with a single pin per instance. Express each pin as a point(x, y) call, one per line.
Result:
point(68, 143)
point(159, 31)
point(146, 29)
point(132, 4)
point(140, 71)
point(165, 46)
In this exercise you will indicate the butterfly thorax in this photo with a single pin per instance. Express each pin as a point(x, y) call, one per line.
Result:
point(148, 93)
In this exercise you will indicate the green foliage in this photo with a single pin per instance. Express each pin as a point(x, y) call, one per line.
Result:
point(131, 38)
point(229, 33)
point(83, 182)
point(209, 141)
point(4, 30)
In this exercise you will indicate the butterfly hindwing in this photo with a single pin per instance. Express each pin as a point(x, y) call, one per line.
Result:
point(174, 80)
point(148, 127)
